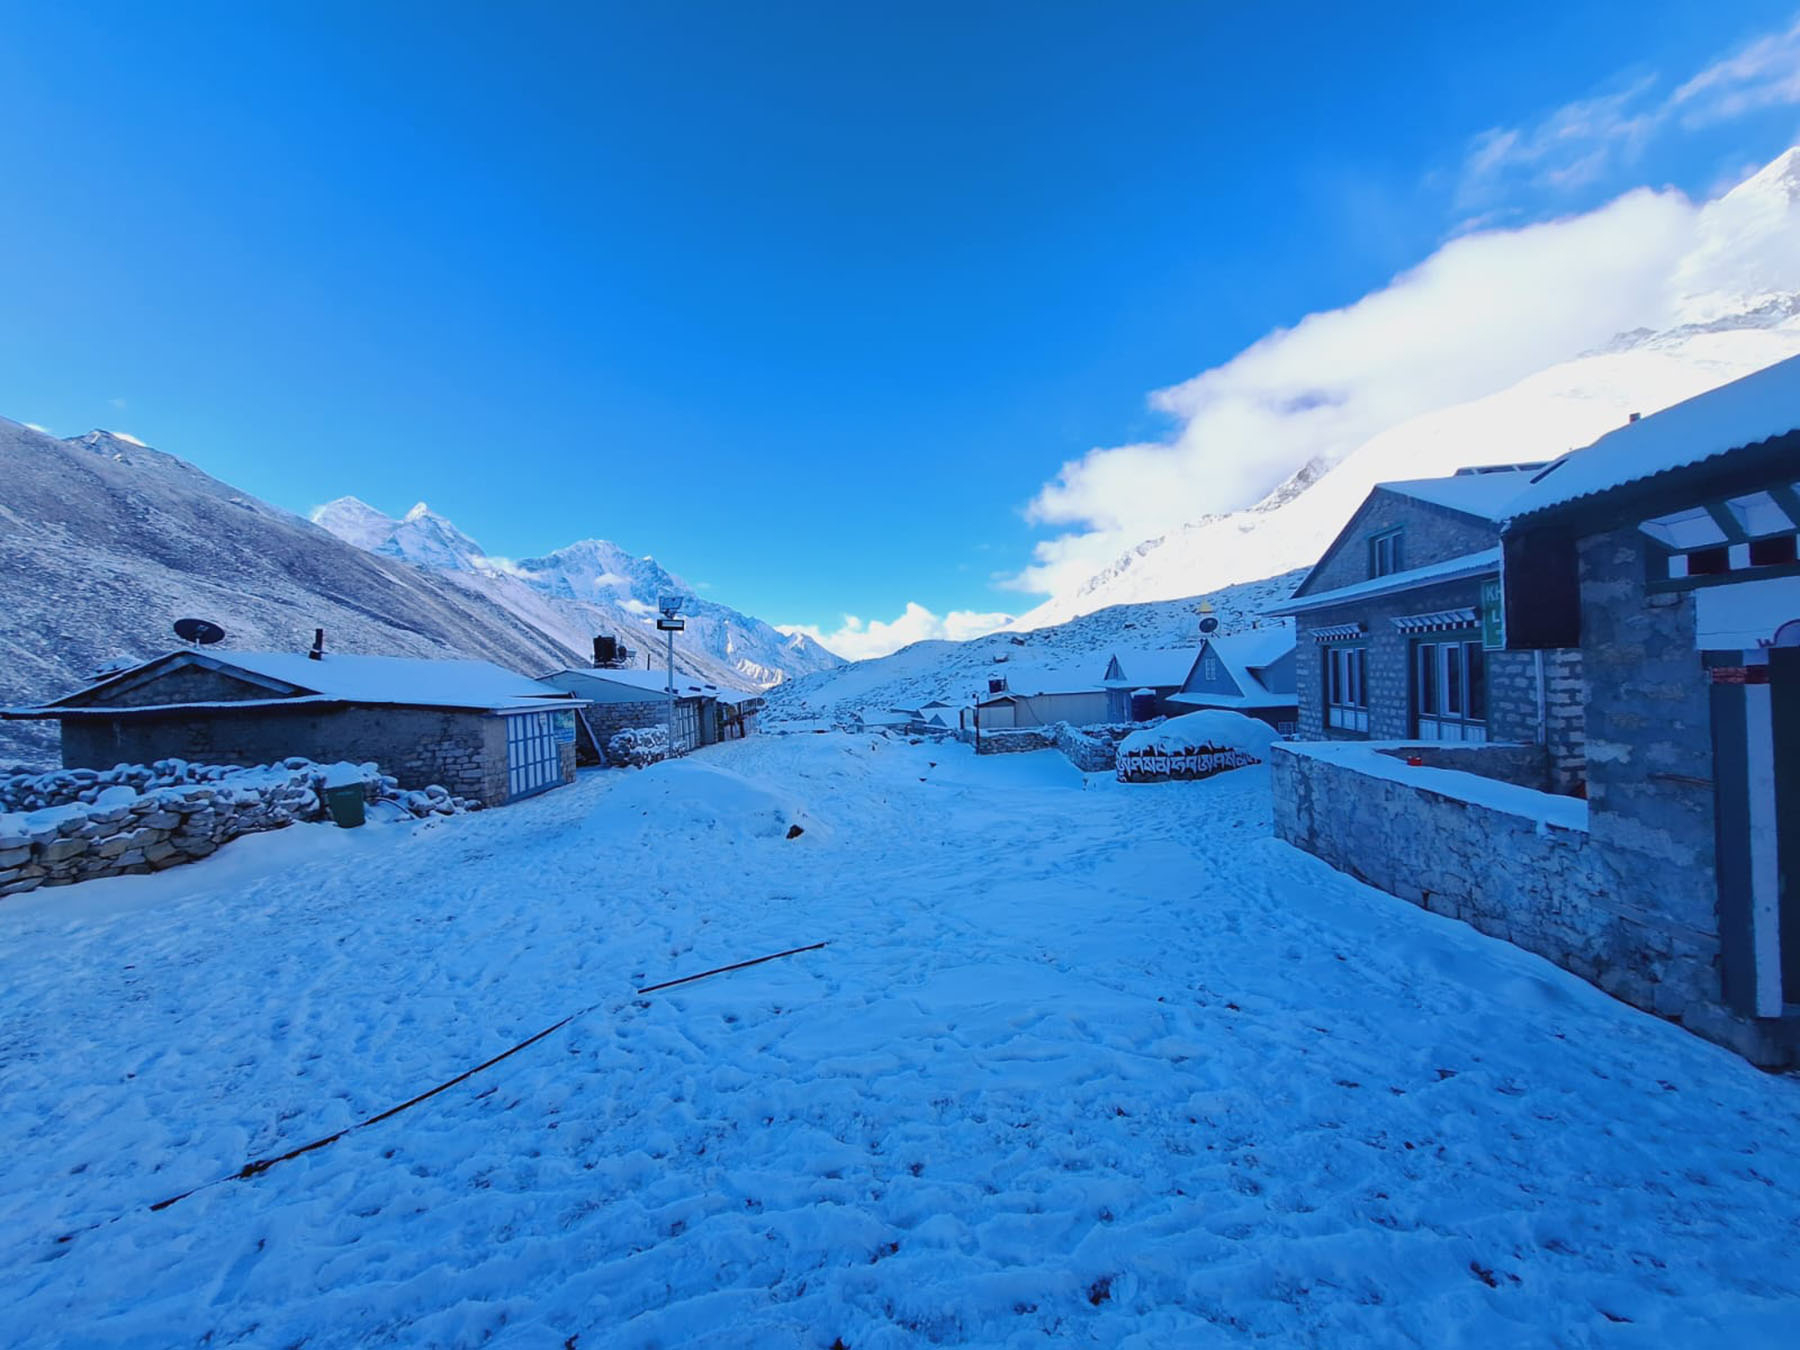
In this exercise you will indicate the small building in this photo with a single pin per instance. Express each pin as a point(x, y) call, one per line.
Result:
point(1007, 708)
point(480, 731)
point(1162, 673)
point(1390, 635)
point(932, 717)
point(1250, 673)
point(705, 713)
point(1667, 552)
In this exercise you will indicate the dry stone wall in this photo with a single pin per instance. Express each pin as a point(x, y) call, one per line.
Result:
point(78, 824)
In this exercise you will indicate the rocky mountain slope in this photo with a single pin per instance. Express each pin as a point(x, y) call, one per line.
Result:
point(1733, 307)
point(105, 541)
point(589, 587)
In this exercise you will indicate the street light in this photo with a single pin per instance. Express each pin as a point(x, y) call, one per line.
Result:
point(671, 605)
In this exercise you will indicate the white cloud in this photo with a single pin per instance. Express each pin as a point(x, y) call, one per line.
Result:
point(1483, 311)
point(860, 639)
point(33, 426)
point(127, 437)
point(1765, 74)
point(1581, 142)
point(1489, 307)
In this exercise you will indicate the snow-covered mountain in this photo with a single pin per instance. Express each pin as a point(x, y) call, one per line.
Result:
point(589, 587)
point(1068, 655)
point(1733, 303)
point(104, 542)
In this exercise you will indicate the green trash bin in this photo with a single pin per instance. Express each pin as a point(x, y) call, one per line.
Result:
point(345, 804)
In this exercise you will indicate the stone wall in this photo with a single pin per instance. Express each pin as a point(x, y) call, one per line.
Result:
point(1523, 765)
point(122, 831)
point(1649, 731)
point(1018, 741)
point(1546, 882)
point(1431, 534)
point(1086, 750)
point(464, 752)
point(187, 684)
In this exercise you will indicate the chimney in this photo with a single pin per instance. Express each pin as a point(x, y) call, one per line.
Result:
point(318, 648)
point(1634, 417)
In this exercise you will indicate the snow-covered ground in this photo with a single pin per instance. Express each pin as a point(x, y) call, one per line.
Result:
point(1081, 1062)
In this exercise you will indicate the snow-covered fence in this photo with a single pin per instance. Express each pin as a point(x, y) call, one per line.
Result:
point(637, 747)
point(76, 824)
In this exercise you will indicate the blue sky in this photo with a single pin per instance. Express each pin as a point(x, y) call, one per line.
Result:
point(811, 301)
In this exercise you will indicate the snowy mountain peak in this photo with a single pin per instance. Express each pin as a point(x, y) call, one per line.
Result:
point(578, 592)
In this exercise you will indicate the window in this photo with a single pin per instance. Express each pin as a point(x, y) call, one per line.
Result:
point(1384, 554)
point(1449, 679)
point(533, 756)
point(1773, 551)
point(1346, 688)
point(1210, 669)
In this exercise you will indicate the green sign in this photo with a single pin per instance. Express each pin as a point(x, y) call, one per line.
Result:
point(1493, 616)
point(565, 725)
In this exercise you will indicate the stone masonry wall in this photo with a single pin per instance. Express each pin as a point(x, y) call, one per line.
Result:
point(1431, 534)
point(125, 832)
point(1557, 891)
point(463, 751)
point(1649, 734)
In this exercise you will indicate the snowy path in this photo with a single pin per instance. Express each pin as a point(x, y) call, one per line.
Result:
point(1082, 1062)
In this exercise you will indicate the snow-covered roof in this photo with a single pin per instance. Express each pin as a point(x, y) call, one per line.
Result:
point(1484, 493)
point(657, 682)
point(1254, 648)
point(1243, 654)
point(1162, 668)
point(1741, 413)
point(395, 681)
point(1484, 563)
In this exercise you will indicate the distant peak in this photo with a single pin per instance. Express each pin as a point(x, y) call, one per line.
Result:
point(419, 512)
point(100, 436)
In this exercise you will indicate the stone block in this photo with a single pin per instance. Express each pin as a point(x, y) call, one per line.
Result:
point(15, 857)
point(61, 850)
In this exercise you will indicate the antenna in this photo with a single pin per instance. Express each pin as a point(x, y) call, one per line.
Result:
point(200, 632)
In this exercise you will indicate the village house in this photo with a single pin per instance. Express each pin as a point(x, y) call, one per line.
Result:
point(1654, 575)
point(1390, 635)
point(1139, 684)
point(1044, 699)
point(1250, 672)
point(1667, 552)
point(618, 700)
point(472, 727)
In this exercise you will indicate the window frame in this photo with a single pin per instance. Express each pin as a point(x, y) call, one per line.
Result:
point(1346, 672)
point(1392, 539)
point(1446, 676)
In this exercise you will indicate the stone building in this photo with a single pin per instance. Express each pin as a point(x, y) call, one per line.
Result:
point(1390, 638)
point(1654, 573)
point(619, 700)
point(1250, 673)
point(482, 732)
point(1667, 551)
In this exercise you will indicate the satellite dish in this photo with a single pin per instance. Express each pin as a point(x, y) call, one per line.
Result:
point(200, 632)
point(1209, 624)
point(1788, 635)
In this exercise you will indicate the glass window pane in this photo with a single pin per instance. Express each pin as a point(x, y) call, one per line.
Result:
point(1453, 681)
point(1477, 661)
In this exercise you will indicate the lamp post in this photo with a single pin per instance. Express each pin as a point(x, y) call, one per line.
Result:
point(671, 606)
